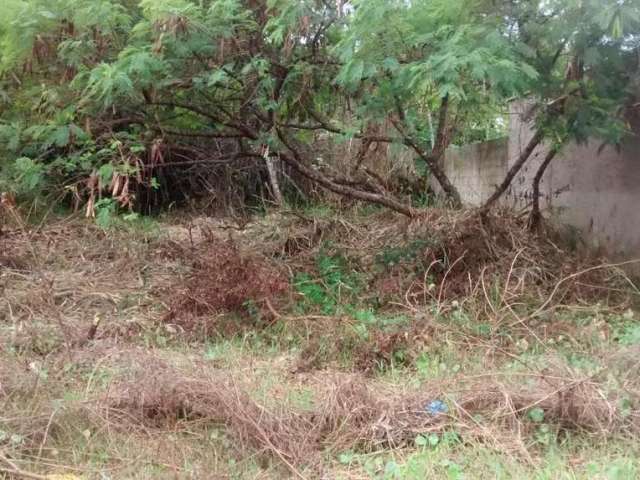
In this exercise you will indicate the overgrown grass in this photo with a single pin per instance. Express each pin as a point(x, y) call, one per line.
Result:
point(336, 382)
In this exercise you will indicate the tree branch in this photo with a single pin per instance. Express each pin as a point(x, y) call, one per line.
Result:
point(513, 171)
point(434, 166)
point(202, 134)
point(296, 163)
point(536, 216)
point(326, 125)
point(441, 142)
point(214, 118)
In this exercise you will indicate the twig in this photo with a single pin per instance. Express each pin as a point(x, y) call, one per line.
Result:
point(444, 279)
point(574, 275)
point(15, 470)
point(267, 440)
point(46, 433)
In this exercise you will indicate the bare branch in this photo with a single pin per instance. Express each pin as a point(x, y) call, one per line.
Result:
point(296, 163)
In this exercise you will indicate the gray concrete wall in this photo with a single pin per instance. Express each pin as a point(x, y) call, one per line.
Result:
point(475, 169)
point(597, 193)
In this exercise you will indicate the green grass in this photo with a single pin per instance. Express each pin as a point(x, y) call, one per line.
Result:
point(573, 460)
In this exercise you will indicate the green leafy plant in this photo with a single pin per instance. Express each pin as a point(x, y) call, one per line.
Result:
point(28, 174)
point(333, 288)
point(105, 212)
point(431, 440)
point(536, 415)
point(626, 328)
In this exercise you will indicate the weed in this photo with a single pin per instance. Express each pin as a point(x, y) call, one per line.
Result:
point(336, 285)
point(408, 254)
point(314, 294)
point(106, 211)
point(628, 333)
point(319, 210)
point(582, 461)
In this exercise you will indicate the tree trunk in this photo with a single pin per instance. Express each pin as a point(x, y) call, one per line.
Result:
point(450, 190)
point(535, 217)
point(433, 162)
point(438, 148)
point(273, 180)
point(513, 171)
point(295, 162)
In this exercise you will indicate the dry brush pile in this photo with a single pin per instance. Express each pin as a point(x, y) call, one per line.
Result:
point(224, 279)
point(154, 394)
point(456, 251)
point(496, 272)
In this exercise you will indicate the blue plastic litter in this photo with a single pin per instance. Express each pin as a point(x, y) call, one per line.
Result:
point(436, 407)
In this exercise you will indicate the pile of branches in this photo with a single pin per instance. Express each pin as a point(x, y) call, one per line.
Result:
point(445, 255)
point(225, 280)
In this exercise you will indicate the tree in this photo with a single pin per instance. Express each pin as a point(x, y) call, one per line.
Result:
point(239, 78)
point(585, 53)
point(429, 67)
point(254, 80)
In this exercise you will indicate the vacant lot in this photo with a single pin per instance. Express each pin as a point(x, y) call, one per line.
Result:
point(315, 345)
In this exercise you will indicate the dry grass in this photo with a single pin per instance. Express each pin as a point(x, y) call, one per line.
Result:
point(150, 393)
point(75, 277)
point(82, 313)
point(454, 256)
point(354, 413)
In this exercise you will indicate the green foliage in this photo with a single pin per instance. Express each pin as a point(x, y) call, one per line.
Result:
point(105, 212)
point(403, 254)
point(336, 283)
point(368, 321)
point(410, 56)
point(583, 51)
point(536, 415)
point(190, 75)
point(26, 25)
point(28, 174)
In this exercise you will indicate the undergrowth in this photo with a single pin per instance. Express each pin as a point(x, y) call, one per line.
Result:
point(192, 353)
point(334, 285)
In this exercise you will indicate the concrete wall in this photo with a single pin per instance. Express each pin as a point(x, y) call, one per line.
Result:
point(475, 169)
point(598, 193)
